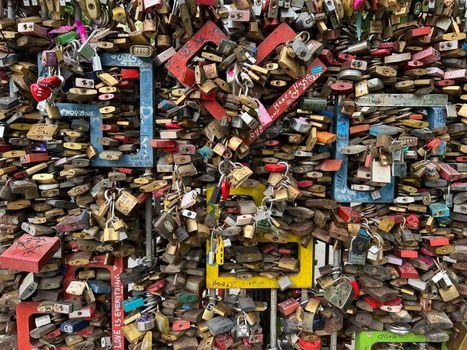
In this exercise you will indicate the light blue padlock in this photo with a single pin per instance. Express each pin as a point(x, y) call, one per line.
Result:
point(206, 152)
point(439, 210)
point(132, 303)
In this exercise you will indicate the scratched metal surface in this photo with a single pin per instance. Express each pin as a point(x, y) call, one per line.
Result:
point(341, 192)
point(145, 156)
point(401, 100)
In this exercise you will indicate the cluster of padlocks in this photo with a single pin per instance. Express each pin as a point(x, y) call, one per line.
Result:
point(172, 172)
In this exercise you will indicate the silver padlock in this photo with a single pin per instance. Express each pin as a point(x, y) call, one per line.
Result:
point(301, 50)
point(237, 122)
point(242, 329)
point(96, 63)
point(284, 283)
point(249, 120)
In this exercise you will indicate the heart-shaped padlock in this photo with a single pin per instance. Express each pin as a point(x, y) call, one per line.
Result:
point(40, 92)
point(53, 82)
point(340, 295)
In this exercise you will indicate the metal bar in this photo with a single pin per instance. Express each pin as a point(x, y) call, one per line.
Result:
point(212, 295)
point(157, 211)
point(44, 14)
point(315, 262)
point(11, 9)
point(326, 254)
point(149, 238)
point(400, 100)
point(11, 15)
point(336, 263)
point(273, 320)
point(304, 295)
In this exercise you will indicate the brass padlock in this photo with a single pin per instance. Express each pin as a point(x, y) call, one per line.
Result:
point(239, 175)
point(289, 64)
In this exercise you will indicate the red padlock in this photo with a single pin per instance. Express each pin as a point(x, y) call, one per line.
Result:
point(342, 57)
point(398, 219)
point(407, 270)
point(129, 73)
point(356, 288)
point(412, 222)
point(447, 172)
point(223, 341)
point(416, 116)
point(206, 2)
point(413, 64)
point(39, 92)
point(54, 334)
point(349, 215)
point(163, 143)
point(392, 305)
point(45, 86)
point(427, 252)
point(109, 127)
point(272, 143)
point(288, 306)
point(433, 143)
point(225, 190)
point(161, 192)
point(124, 84)
point(275, 167)
point(156, 286)
point(53, 82)
point(393, 45)
point(445, 82)
point(375, 304)
point(314, 344)
point(255, 338)
point(305, 183)
point(405, 253)
point(436, 241)
point(342, 87)
point(328, 57)
point(173, 126)
point(124, 138)
point(34, 158)
point(180, 325)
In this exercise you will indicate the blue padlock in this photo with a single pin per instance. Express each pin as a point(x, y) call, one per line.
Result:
point(444, 222)
point(73, 325)
point(166, 105)
point(132, 303)
point(329, 114)
point(439, 210)
point(206, 152)
point(99, 287)
point(323, 149)
point(383, 130)
point(188, 307)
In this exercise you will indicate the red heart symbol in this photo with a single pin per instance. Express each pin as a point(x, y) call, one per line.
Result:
point(40, 93)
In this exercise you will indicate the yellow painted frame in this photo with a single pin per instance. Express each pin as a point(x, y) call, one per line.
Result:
point(302, 279)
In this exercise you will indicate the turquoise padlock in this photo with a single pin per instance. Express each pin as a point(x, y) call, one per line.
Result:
point(206, 152)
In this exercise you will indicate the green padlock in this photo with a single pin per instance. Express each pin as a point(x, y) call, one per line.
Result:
point(66, 38)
